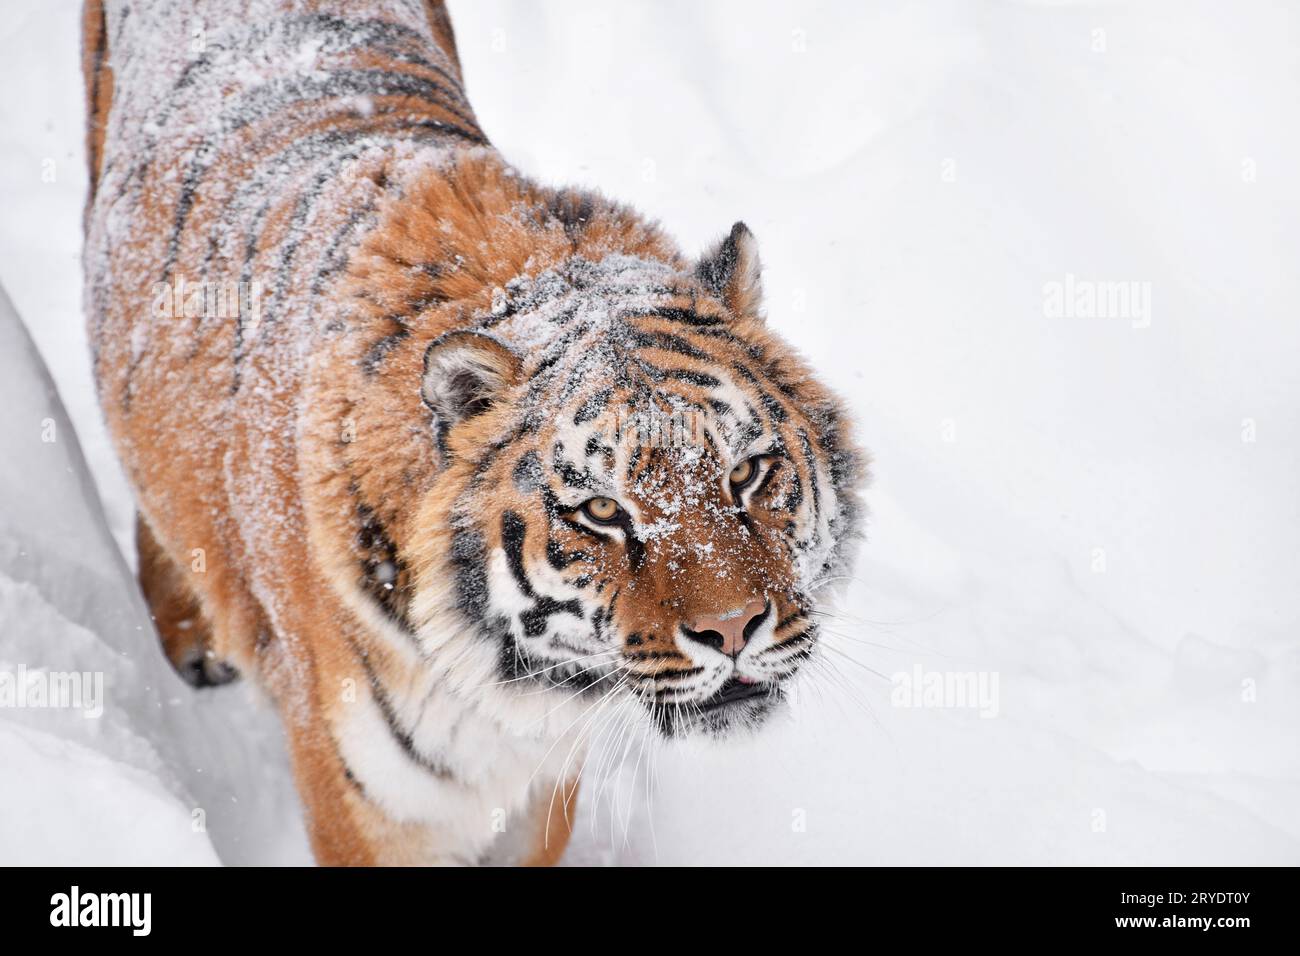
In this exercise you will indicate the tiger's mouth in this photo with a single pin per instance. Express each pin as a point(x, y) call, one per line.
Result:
point(734, 690)
point(736, 703)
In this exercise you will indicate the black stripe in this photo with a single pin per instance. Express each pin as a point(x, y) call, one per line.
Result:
point(377, 548)
point(349, 775)
point(469, 564)
point(750, 429)
point(569, 473)
point(335, 257)
point(693, 377)
point(527, 473)
point(401, 736)
point(534, 620)
point(675, 674)
point(558, 349)
point(513, 529)
point(382, 348)
point(811, 463)
point(768, 478)
point(592, 407)
point(573, 210)
point(560, 559)
point(713, 445)
point(800, 637)
point(789, 619)
point(664, 341)
point(795, 498)
point(724, 334)
point(494, 450)
point(775, 410)
point(685, 316)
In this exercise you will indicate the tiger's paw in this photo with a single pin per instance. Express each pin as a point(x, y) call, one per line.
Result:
point(202, 668)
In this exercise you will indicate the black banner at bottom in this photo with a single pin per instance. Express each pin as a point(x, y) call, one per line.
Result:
point(1162, 906)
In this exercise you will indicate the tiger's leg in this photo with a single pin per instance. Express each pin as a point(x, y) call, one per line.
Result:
point(321, 690)
point(99, 85)
point(326, 702)
point(341, 825)
point(553, 816)
point(184, 630)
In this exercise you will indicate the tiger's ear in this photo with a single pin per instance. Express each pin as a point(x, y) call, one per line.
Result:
point(732, 272)
point(464, 373)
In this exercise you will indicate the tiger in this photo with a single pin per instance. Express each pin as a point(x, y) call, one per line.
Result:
point(458, 467)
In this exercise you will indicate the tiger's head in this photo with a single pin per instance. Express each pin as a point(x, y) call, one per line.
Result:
point(646, 489)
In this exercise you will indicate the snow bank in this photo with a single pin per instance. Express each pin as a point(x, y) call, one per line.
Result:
point(123, 765)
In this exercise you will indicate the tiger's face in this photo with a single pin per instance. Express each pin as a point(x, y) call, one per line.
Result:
point(676, 551)
point(649, 502)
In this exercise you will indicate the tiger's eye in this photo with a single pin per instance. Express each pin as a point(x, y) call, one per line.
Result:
point(602, 509)
point(742, 472)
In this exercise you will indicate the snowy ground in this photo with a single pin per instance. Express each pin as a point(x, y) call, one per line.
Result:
point(1102, 512)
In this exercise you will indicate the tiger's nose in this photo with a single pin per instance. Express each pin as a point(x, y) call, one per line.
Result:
point(728, 632)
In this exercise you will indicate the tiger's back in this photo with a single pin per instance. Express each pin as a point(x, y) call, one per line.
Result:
point(240, 161)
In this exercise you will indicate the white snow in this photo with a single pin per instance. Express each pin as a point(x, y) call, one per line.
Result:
point(131, 768)
point(1100, 511)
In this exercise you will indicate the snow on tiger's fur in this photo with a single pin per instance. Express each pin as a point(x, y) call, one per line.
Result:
point(467, 471)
